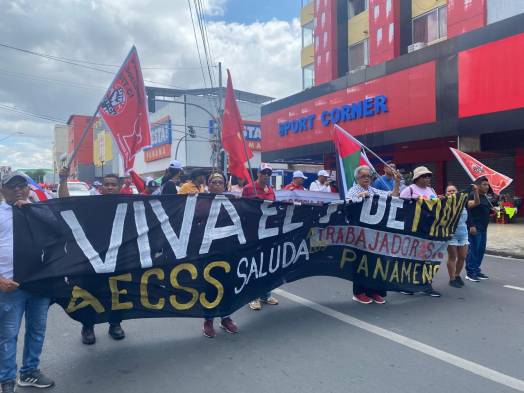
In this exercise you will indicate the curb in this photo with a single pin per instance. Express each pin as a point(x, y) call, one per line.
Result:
point(497, 253)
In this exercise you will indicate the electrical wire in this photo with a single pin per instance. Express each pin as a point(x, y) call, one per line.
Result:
point(43, 79)
point(32, 114)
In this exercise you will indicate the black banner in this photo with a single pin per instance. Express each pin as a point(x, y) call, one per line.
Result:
point(208, 255)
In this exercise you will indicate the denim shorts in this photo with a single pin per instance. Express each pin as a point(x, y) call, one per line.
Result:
point(460, 238)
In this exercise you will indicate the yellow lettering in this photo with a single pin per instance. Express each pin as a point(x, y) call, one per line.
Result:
point(394, 272)
point(345, 258)
point(437, 216)
point(363, 265)
point(380, 269)
point(87, 300)
point(174, 282)
point(427, 274)
point(406, 271)
point(144, 296)
point(115, 292)
point(213, 281)
point(415, 271)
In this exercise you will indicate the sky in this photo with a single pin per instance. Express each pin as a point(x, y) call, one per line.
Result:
point(258, 40)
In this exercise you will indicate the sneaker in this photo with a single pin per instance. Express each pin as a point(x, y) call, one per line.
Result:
point(454, 283)
point(116, 331)
point(472, 278)
point(431, 292)
point(34, 378)
point(270, 300)
point(409, 293)
point(228, 325)
point(255, 305)
point(88, 335)
point(482, 276)
point(8, 387)
point(460, 281)
point(378, 299)
point(208, 329)
point(362, 298)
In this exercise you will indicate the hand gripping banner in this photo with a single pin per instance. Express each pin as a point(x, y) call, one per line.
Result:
point(208, 255)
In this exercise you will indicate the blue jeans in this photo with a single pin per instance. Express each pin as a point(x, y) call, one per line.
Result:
point(477, 248)
point(13, 305)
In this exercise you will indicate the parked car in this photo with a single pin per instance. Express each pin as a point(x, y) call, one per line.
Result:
point(78, 188)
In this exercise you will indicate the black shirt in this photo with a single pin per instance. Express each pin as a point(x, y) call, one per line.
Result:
point(479, 215)
point(169, 188)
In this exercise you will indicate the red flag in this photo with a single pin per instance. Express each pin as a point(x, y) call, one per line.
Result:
point(233, 135)
point(139, 183)
point(475, 169)
point(125, 112)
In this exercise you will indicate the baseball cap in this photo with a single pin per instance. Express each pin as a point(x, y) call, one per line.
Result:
point(299, 174)
point(265, 166)
point(151, 183)
point(7, 177)
point(96, 183)
point(323, 172)
point(175, 164)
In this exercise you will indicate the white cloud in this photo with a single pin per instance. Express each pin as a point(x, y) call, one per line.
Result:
point(263, 58)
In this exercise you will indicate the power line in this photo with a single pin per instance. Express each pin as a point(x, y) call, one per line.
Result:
point(64, 60)
point(39, 78)
point(32, 114)
point(196, 43)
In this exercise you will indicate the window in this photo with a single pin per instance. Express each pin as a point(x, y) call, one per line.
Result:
point(306, 2)
point(307, 35)
point(356, 7)
point(358, 55)
point(308, 76)
point(431, 26)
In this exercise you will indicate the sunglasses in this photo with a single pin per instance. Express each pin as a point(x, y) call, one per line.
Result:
point(266, 172)
point(217, 182)
point(365, 176)
point(15, 185)
point(426, 176)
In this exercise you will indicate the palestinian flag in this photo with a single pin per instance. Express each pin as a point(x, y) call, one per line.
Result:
point(351, 155)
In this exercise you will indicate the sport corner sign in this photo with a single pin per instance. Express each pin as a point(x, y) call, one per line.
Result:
point(367, 107)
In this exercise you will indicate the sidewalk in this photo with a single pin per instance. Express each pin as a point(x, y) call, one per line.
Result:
point(506, 240)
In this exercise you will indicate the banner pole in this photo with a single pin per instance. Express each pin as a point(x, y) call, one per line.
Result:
point(92, 120)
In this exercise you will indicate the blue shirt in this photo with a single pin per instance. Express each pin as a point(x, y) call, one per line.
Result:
point(384, 183)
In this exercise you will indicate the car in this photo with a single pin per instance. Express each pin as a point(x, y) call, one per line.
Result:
point(78, 188)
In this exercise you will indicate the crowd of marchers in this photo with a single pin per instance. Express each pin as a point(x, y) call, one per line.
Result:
point(465, 249)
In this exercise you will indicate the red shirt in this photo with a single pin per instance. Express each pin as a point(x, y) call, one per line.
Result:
point(126, 190)
point(261, 192)
point(293, 186)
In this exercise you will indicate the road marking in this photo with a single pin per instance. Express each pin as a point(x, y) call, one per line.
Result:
point(513, 287)
point(446, 357)
point(501, 257)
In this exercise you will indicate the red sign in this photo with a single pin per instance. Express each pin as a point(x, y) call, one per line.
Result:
point(476, 170)
point(465, 15)
point(326, 60)
point(410, 97)
point(125, 112)
point(490, 77)
point(157, 153)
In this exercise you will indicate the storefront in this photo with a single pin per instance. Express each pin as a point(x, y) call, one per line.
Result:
point(464, 92)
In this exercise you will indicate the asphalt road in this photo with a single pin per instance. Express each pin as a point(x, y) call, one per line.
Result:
point(316, 340)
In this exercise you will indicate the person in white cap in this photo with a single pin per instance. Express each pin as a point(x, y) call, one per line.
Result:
point(16, 302)
point(297, 183)
point(168, 183)
point(321, 184)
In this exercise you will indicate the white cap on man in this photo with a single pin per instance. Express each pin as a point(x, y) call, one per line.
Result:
point(323, 172)
point(175, 164)
point(299, 174)
point(264, 166)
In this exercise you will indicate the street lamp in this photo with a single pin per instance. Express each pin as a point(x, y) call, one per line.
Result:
point(10, 135)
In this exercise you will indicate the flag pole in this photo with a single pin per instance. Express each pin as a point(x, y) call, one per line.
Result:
point(364, 147)
point(92, 120)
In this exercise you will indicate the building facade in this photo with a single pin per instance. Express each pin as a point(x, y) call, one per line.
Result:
point(81, 167)
point(183, 127)
point(409, 78)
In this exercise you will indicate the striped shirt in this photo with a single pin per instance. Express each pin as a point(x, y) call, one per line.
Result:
point(357, 189)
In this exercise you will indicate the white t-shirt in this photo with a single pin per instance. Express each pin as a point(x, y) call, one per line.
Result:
point(317, 186)
point(6, 241)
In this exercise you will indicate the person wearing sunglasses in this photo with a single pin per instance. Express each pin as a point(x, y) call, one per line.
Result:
point(16, 302)
point(261, 190)
point(421, 188)
point(363, 189)
point(216, 184)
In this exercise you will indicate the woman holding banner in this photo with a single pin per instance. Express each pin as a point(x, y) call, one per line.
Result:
point(216, 184)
